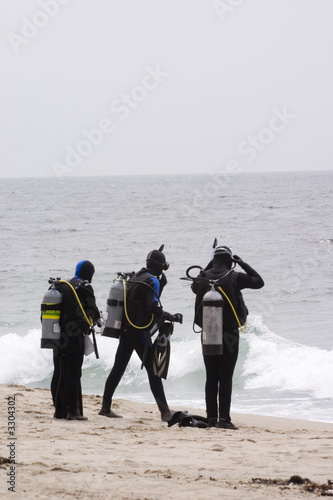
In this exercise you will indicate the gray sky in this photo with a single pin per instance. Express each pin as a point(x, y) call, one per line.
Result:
point(98, 87)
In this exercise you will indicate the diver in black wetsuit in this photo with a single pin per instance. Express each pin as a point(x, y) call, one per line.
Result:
point(220, 368)
point(66, 381)
point(143, 310)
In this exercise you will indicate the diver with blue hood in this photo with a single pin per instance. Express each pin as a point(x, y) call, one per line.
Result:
point(78, 314)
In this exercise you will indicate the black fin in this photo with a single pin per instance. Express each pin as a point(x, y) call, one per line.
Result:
point(190, 421)
point(161, 351)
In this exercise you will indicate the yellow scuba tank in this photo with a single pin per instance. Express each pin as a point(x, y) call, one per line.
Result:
point(50, 315)
point(212, 323)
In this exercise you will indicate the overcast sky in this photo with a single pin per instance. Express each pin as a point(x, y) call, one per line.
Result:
point(99, 87)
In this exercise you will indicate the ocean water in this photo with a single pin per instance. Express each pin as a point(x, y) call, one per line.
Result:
point(280, 223)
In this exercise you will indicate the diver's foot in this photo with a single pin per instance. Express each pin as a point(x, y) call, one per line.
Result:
point(212, 422)
point(226, 424)
point(72, 416)
point(166, 416)
point(109, 413)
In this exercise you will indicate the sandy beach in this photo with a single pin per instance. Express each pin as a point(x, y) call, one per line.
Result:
point(140, 457)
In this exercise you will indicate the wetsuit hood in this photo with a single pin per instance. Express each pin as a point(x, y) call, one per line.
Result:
point(156, 262)
point(84, 270)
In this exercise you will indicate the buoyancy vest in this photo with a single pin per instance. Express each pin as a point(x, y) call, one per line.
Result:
point(142, 293)
point(72, 320)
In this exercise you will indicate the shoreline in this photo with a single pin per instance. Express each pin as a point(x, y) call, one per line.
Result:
point(138, 456)
point(187, 405)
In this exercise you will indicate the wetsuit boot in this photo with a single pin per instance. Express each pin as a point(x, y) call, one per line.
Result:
point(107, 412)
point(212, 422)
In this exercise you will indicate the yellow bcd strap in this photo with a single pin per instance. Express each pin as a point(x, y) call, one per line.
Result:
point(233, 310)
point(87, 318)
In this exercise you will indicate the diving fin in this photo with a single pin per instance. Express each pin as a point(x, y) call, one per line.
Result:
point(148, 336)
point(184, 419)
point(161, 351)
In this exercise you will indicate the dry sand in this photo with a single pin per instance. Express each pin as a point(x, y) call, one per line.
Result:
point(140, 457)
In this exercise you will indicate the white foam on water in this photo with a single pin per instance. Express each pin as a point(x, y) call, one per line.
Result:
point(273, 376)
point(274, 362)
point(21, 359)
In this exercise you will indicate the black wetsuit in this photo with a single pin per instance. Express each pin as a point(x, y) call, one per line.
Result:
point(220, 368)
point(143, 292)
point(66, 381)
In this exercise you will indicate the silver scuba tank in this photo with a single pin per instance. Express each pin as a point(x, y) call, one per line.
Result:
point(114, 309)
point(51, 312)
point(212, 323)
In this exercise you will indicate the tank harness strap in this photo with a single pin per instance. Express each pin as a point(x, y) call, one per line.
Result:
point(50, 311)
point(115, 303)
point(233, 310)
point(50, 307)
point(87, 318)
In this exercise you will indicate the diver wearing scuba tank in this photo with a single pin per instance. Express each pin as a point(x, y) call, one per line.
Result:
point(220, 368)
point(66, 380)
point(142, 311)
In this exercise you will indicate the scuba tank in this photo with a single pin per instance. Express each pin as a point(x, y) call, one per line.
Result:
point(51, 311)
point(115, 308)
point(212, 322)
